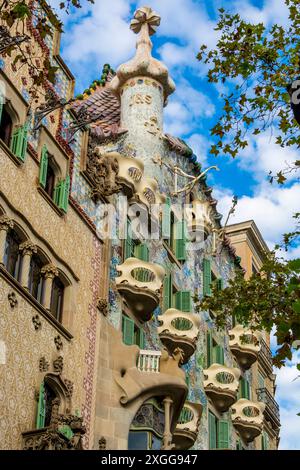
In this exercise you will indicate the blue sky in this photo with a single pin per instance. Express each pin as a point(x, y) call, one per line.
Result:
point(100, 34)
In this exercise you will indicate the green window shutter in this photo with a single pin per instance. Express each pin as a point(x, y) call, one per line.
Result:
point(167, 292)
point(212, 429)
point(166, 219)
point(218, 355)
point(41, 412)
point(128, 242)
point(206, 277)
point(183, 301)
point(128, 330)
point(245, 389)
point(142, 252)
point(209, 349)
point(141, 339)
point(265, 443)
point(19, 142)
point(239, 445)
point(223, 434)
point(220, 284)
point(57, 193)
point(43, 166)
point(180, 240)
point(63, 194)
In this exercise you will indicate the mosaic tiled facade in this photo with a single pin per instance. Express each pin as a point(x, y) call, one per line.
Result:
point(110, 379)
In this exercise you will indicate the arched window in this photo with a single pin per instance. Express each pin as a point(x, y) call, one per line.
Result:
point(12, 256)
point(57, 298)
point(35, 281)
point(6, 126)
point(45, 403)
point(147, 428)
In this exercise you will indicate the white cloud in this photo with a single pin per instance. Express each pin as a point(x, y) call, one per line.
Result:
point(270, 207)
point(200, 146)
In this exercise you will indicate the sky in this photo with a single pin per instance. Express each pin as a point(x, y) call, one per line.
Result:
point(99, 34)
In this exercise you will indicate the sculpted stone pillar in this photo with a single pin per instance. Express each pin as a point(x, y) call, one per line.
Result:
point(167, 438)
point(27, 249)
point(49, 272)
point(5, 224)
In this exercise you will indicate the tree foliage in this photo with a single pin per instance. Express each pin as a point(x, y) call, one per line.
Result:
point(269, 298)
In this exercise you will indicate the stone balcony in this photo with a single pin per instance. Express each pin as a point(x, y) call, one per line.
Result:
point(130, 173)
point(199, 217)
point(221, 385)
point(179, 330)
point(245, 345)
point(139, 284)
point(187, 427)
point(247, 417)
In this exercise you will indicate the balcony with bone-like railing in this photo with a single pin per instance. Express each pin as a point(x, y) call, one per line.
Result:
point(247, 417)
point(147, 193)
point(187, 427)
point(139, 284)
point(130, 173)
point(179, 330)
point(199, 216)
point(244, 345)
point(221, 385)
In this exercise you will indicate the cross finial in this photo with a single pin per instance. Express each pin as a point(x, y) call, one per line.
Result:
point(142, 16)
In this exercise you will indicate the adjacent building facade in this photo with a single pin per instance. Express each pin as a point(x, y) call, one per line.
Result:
point(108, 236)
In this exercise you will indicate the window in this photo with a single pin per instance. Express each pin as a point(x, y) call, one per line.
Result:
point(174, 231)
point(209, 279)
point(129, 243)
point(244, 389)
point(215, 352)
point(35, 283)
point(57, 189)
point(265, 441)
point(6, 125)
point(167, 292)
point(12, 256)
point(132, 334)
point(16, 138)
point(261, 380)
point(183, 301)
point(57, 298)
point(218, 432)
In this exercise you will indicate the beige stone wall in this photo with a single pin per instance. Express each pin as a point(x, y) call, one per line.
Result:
point(71, 246)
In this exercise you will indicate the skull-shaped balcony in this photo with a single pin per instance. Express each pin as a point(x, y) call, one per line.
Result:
point(221, 385)
point(244, 345)
point(179, 330)
point(148, 198)
point(199, 217)
point(187, 427)
point(139, 284)
point(130, 173)
point(248, 417)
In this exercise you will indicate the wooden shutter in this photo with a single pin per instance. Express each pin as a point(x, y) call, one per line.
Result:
point(43, 166)
point(63, 194)
point(141, 338)
point(220, 284)
point(57, 193)
point(167, 292)
point(19, 142)
point(142, 252)
point(183, 301)
point(206, 277)
point(128, 242)
point(265, 441)
point(166, 219)
point(245, 389)
point(209, 349)
point(41, 412)
point(218, 355)
point(212, 429)
point(128, 330)
point(223, 434)
point(180, 240)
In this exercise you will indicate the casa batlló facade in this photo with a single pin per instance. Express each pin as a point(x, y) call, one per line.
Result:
point(108, 235)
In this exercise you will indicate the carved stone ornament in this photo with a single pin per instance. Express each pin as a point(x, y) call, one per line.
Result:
point(102, 305)
point(12, 298)
point(102, 170)
point(64, 432)
point(58, 342)
point(102, 443)
point(27, 248)
point(49, 271)
point(43, 364)
point(36, 322)
point(6, 223)
point(70, 388)
point(58, 365)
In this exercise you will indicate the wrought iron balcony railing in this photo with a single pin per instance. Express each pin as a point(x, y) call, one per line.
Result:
point(265, 356)
point(271, 412)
